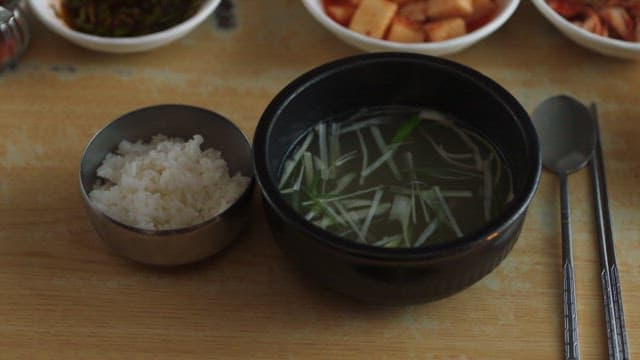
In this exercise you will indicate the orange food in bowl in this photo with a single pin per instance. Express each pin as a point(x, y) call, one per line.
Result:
point(609, 18)
point(411, 21)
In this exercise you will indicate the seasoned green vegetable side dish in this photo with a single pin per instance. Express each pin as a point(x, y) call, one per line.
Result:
point(120, 18)
point(395, 177)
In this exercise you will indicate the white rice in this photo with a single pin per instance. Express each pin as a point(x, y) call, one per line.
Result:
point(165, 184)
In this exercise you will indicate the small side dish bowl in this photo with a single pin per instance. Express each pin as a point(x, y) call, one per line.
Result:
point(15, 32)
point(182, 245)
point(48, 12)
point(396, 275)
point(600, 44)
point(506, 8)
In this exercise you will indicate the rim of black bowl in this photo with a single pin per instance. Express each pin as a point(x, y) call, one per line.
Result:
point(272, 195)
point(166, 232)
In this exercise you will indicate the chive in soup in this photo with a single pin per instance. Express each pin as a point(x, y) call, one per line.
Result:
point(395, 177)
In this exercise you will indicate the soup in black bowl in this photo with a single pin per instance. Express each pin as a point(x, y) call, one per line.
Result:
point(427, 203)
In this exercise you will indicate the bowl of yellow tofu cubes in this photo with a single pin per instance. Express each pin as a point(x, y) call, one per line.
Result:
point(431, 27)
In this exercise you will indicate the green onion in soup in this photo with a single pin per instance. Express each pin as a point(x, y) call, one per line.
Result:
point(395, 177)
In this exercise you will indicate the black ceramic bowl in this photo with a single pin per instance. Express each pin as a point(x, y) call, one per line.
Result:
point(382, 275)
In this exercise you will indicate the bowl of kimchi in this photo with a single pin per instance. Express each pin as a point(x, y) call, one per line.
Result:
point(609, 27)
point(430, 27)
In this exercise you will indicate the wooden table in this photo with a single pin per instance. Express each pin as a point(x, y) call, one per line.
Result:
point(65, 295)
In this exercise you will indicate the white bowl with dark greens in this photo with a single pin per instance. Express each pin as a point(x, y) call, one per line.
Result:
point(49, 13)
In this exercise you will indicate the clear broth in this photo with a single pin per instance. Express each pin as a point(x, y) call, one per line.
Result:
point(452, 183)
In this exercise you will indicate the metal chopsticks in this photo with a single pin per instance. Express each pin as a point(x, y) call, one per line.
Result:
point(612, 292)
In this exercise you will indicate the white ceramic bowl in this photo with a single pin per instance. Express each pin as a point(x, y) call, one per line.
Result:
point(45, 11)
point(600, 44)
point(506, 9)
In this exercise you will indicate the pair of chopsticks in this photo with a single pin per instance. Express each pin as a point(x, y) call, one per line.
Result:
point(612, 292)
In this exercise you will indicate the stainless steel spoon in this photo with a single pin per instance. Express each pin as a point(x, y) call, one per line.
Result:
point(567, 135)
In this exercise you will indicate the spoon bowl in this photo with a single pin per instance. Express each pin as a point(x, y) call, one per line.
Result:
point(567, 133)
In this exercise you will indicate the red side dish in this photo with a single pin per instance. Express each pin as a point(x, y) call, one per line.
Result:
point(7, 47)
point(618, 19)
point(7, 51)
point(412, 21)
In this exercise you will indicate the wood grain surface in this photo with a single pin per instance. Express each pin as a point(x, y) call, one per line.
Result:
point(65, 295)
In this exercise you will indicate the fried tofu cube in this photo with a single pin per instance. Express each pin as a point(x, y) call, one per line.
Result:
point(341, 13)
point(372, 17)
point(441, 9)
point(402, 2)
point(483, 12)
point(405, 30)
point(482, 9)
point(445, 29)
point(415, 11)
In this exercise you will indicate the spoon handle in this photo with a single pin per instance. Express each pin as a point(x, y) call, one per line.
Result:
point(571, 345)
